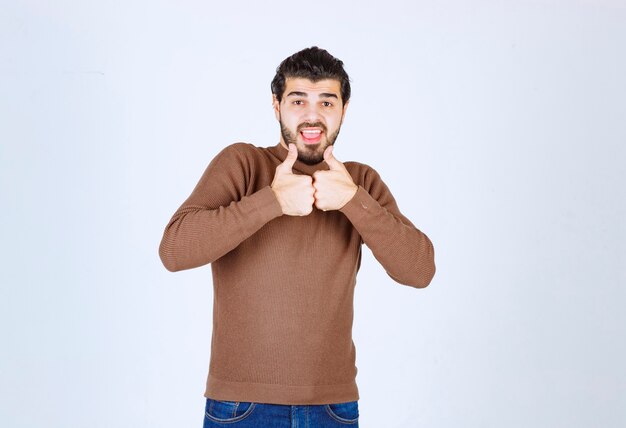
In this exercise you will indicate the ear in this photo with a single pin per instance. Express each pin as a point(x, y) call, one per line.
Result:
point(276, 106)
point(345, 107)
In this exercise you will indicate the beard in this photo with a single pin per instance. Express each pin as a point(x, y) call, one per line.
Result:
point(310, 154)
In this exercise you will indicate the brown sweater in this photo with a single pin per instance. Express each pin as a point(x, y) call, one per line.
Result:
point(284, 285)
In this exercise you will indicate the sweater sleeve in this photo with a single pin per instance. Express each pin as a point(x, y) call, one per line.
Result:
point(405, 252)
point(218, 215)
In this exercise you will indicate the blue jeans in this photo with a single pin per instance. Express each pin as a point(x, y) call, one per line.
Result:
point(239, 414)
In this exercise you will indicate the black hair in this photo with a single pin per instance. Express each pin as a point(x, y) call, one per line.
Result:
point(314, 64)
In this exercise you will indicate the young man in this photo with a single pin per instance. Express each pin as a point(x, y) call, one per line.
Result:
point(283, 227)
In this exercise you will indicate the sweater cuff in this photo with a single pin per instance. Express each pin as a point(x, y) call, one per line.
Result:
point(360, 206)
point(266, 203)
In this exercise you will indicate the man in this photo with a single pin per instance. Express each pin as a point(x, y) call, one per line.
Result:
point(283, 227)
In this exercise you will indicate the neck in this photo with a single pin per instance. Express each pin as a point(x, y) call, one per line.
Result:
point(281, 151)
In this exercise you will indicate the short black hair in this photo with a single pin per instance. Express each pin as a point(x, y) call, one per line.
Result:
point(314, 64)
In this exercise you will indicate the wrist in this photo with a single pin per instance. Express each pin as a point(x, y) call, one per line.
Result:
point(277, 196)
point(350, 196)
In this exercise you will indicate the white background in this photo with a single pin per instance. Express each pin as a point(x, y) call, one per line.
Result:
point(498, 126)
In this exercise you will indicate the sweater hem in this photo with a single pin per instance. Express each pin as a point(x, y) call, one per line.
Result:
point(219, 389)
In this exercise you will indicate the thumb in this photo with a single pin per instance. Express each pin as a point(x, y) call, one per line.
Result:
point(333, 163)
point(291, 157)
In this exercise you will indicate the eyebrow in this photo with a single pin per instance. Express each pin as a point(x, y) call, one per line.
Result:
point(304, 94)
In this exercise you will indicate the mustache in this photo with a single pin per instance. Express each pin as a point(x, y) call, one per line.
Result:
point(312, 125)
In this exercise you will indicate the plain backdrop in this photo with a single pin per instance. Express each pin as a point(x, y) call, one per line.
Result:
point(498, 126)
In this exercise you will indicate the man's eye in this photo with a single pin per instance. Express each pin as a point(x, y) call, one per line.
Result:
point(327, 104)
point(298, 102)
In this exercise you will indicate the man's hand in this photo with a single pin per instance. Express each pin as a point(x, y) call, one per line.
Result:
point(335, 187)
point(294, 192)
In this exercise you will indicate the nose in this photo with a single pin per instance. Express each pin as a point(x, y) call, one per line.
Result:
point(312, 113)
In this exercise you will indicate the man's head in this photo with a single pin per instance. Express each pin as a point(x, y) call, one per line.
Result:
point(310, 94)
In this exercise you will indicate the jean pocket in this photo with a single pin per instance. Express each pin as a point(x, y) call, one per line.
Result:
point(347, 413)
point(228, 411)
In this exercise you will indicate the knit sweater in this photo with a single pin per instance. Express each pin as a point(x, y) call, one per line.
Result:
point(284, 285)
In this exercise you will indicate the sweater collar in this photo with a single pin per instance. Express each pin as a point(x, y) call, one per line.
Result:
point(281, 153)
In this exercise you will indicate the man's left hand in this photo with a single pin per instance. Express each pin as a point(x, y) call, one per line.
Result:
point(335, 187)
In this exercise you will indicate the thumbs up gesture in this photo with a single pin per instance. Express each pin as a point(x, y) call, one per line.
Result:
point(335, 187)
point(294, 192)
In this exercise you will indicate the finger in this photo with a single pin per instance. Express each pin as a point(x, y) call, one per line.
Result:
point(319, 205)
point(333, 163)
point(291, 158)
point(316, 177)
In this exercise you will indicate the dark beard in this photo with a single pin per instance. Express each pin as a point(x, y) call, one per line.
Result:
point(311, 157)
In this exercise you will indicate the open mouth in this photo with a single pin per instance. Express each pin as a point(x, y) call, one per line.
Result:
point(311, 135)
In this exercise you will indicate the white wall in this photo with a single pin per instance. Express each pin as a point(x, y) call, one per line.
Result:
point(499, 127)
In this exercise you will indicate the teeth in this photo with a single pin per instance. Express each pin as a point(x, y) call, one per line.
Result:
point(312, 132)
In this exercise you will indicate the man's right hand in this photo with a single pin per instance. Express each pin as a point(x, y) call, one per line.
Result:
point(294, 192)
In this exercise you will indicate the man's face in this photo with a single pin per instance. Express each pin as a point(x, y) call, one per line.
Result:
point(310, 116)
